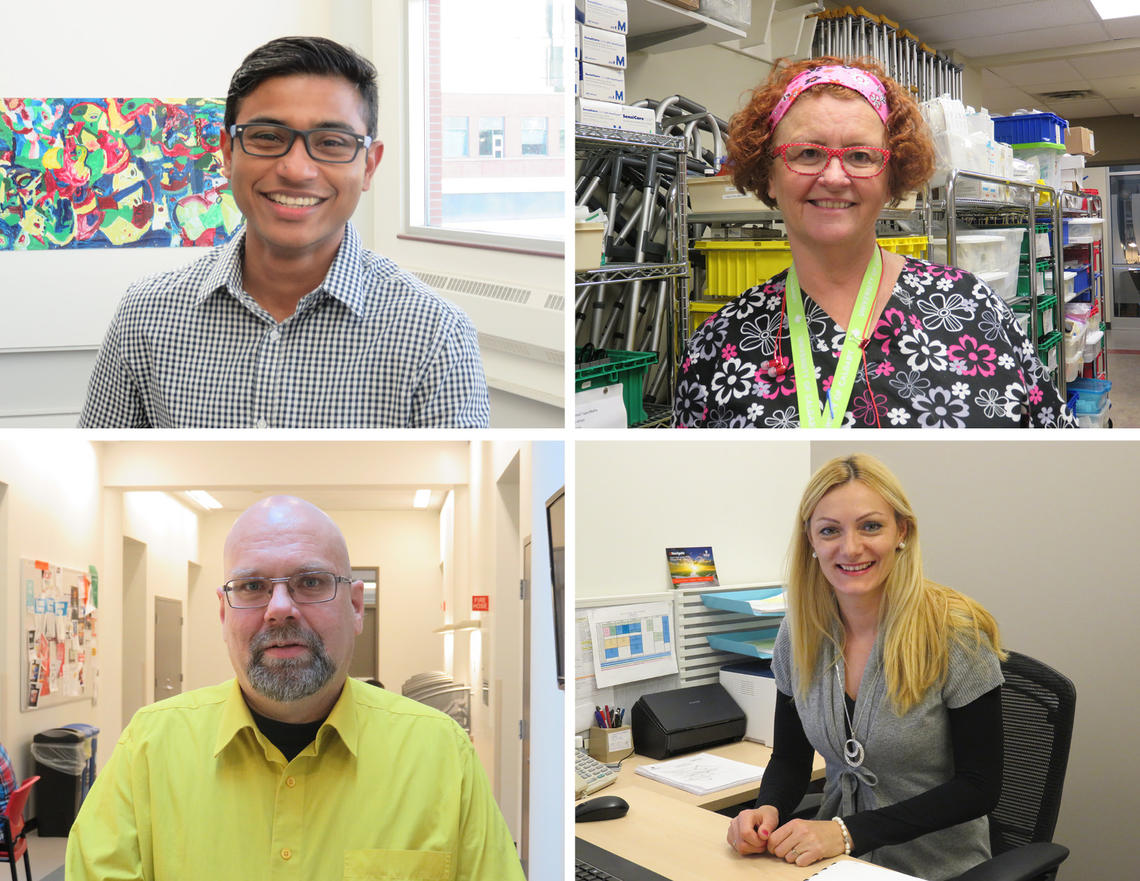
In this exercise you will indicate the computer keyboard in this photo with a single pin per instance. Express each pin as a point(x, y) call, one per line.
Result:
point(590, 775)
point(583, 871)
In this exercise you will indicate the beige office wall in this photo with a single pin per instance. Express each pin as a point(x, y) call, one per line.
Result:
point(1044, 535)
point(1116, 138)
point(636, 498)
point(54, 512)
point(405, 545)
point(229, 463)
point(169, 530)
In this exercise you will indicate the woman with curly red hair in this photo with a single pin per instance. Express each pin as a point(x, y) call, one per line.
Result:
point(881, 340)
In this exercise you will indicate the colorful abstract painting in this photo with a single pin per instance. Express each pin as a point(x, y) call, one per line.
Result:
point(112, 172)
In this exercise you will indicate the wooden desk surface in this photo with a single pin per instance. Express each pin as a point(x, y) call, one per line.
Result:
point(682, 841)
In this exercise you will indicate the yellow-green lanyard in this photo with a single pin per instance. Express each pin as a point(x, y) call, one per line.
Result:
point(807, 394)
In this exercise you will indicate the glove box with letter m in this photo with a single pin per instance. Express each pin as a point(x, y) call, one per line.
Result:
point(670, 722)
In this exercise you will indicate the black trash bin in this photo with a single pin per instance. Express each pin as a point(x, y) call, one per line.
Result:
point(61, 756)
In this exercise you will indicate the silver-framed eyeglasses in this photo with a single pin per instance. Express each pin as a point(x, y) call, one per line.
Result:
point(254, 592)
point(812, 159)
point(269, 140)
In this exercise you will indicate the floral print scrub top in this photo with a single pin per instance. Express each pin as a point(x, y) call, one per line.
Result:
point(946, 353)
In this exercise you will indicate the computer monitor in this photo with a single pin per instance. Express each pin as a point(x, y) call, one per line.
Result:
point(556, 531)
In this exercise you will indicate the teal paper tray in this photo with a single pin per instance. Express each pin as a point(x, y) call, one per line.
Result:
point(738, 601)
point(755, 643)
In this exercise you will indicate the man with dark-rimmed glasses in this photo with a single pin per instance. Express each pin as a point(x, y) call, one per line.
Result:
point(292, 769)
point(292, 324)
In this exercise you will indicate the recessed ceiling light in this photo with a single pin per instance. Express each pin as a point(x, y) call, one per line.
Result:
point(423, 496)
point(1107, 9)
point(203, 498)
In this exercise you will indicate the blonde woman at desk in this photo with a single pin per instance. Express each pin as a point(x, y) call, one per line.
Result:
point(893, 679)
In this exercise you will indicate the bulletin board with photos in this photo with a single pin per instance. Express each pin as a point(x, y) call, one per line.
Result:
point(59, 626)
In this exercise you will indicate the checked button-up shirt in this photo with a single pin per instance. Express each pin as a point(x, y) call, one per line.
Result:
point(371, 347)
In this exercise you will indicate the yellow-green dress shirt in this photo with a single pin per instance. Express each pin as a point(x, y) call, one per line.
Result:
point(389, 789)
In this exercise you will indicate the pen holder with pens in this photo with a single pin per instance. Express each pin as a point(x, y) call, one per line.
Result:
point(609, 745)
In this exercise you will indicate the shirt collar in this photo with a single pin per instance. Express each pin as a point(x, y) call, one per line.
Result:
point(236, 717)
point(344, 280)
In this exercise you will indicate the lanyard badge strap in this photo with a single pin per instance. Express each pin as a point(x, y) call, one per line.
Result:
point(807, 393)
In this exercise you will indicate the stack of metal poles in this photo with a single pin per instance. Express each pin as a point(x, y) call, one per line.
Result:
point(856, 33)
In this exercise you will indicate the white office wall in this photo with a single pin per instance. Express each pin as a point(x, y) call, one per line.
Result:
point(714, 77)
point(54, 512)
point(1044, 535)
point(636, 498)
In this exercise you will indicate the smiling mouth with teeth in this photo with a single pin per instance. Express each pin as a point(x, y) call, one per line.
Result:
point(825, 203)
point(860, 567)
point(293, 201)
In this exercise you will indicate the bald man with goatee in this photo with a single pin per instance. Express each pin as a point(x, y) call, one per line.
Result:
point(291, 769)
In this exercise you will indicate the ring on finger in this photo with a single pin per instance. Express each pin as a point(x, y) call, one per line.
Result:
point(795, 853)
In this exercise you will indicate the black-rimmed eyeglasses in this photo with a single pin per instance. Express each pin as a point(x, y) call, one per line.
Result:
point(304, 587)
point(270, 140)
point(812, 159)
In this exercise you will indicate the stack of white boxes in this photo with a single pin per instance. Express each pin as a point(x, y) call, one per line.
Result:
point(600, 55)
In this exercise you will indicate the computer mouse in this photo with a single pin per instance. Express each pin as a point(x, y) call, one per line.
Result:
point(604, 807)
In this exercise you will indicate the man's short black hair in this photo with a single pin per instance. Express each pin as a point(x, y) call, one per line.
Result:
point(287, 56)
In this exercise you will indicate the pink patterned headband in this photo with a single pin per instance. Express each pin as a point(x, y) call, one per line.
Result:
point(853, 78)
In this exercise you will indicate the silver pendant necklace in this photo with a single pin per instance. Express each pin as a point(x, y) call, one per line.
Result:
point(853, 752)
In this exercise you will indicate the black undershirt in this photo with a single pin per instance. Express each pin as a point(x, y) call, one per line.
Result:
point(975, 737)
point(289, 737)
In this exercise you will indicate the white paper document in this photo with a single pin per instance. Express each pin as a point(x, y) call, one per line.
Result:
point(769, 605)
point(850, 870)
point(702, 773)
point(601, 407)
point(632, 642)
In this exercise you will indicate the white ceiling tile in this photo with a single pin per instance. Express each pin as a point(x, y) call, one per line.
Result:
point(1127, 106)
point(955, 29)
point(1117, 86)
point(991, 79)
point(1004, 42)
point(1030, 73)
point(1101, 64)
point(1062, 86)
point(1082, 108)
point(1123, 28)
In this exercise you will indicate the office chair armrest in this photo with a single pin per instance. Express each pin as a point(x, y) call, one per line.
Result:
point(1024, 863)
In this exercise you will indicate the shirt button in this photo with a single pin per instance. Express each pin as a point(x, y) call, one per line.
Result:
point(286, 854)
point(275, 335)
point(261, 423)
point(290, 782)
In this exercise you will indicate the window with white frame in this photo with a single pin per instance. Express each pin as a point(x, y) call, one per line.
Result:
point(534, 135)
point(482, 165)
point(454, 137)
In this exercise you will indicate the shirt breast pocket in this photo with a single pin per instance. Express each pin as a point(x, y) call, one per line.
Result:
point(396, 865)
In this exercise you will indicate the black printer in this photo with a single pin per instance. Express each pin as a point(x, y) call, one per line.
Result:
point(666, 723)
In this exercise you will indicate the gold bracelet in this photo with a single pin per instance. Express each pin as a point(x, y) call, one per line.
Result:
point(846, 835)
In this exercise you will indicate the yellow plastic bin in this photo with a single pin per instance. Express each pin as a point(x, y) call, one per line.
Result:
point(734, 266)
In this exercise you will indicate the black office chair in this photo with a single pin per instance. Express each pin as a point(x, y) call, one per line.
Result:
point(1038, 705)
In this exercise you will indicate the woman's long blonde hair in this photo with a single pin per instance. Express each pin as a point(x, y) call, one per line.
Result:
point(917, 617)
